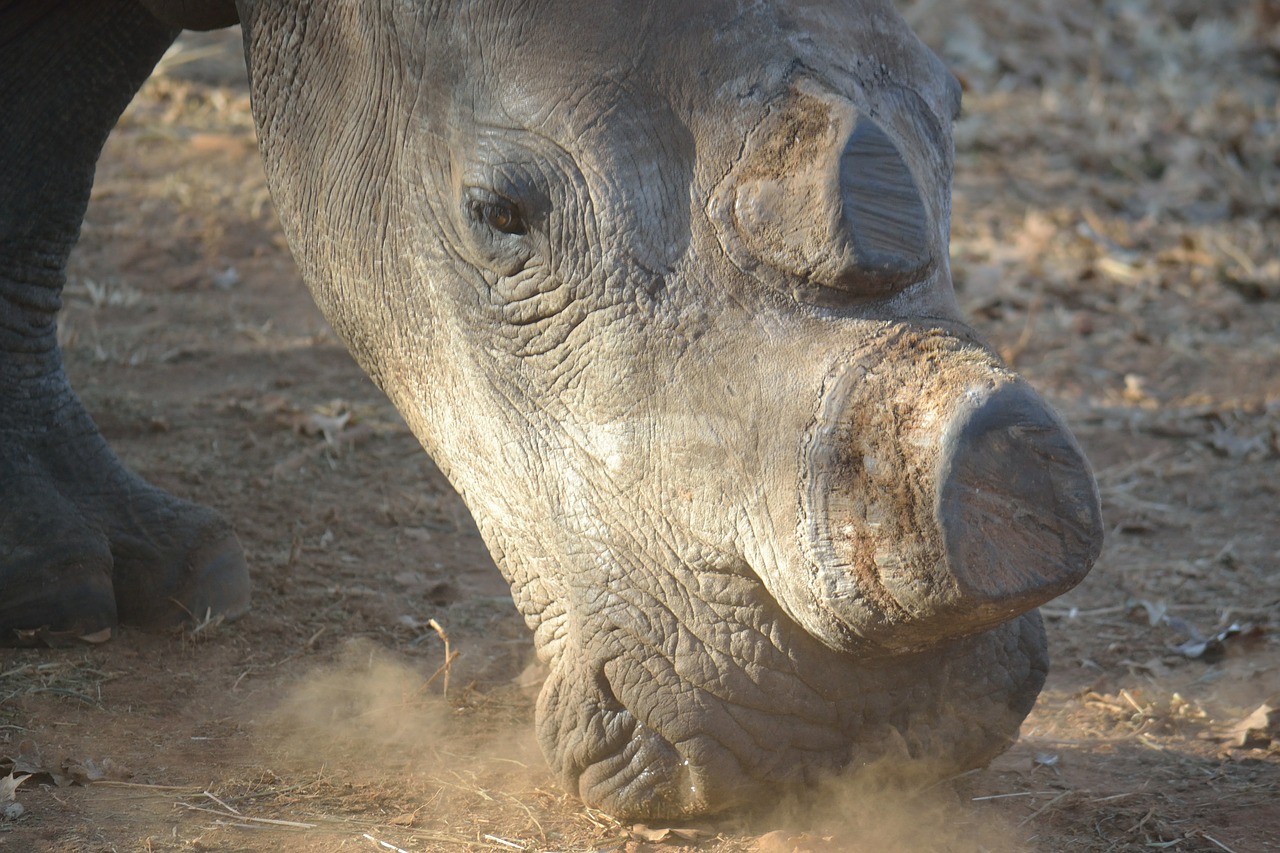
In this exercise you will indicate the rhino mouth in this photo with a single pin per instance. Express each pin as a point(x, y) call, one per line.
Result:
point(706, 737)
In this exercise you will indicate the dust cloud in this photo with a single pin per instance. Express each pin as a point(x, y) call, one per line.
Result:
point(376, 728)
point(374, 713)
point(879, 810)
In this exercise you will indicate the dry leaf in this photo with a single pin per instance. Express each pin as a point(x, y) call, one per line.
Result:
point(30, 766)
point(89, 771)
point(1258, 730)
point(1199, 646)
point(775, 842)
point(9, 786)
point(330, 426)
point(781, 841)
point(642, 832)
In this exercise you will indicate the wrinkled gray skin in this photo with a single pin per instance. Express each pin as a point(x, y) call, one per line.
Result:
point(663, 288)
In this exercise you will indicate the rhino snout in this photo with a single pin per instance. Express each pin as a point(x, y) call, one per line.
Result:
point(940, 502)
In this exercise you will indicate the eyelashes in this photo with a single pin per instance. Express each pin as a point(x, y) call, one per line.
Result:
point(498, 214)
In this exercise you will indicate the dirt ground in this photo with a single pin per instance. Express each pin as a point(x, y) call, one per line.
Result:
point(1117, 235)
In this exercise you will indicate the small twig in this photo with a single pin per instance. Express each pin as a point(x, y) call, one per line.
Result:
point(1102, 741)
point(1207, 837)
point(951, 779)
point(504, 842)
point(199, 624)
point(253, 826)
point(1112, 797)
point(448, 656)
point(293, 823)
point(1151, 812)
point(1124, 694)
point(206, 624)
point(1013, 353)
point(590, 814)
point(112, 783)
point(1149, 742)
point(1026, 820)
point(311, 641)
point(541, 832)
point(1015, 794)
point(442, 670)
point(385, 844)
point(221, 803)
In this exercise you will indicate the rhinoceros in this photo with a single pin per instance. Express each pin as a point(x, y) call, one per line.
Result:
point(663, 288)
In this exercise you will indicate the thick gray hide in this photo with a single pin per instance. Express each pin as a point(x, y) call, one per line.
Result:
point(663, 288)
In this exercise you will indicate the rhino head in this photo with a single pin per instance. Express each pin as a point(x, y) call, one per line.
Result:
point(663, 288)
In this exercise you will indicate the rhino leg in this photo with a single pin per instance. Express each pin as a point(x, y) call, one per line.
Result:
point(84, 542)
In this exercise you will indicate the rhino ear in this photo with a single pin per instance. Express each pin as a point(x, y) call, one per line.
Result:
point(194, 14)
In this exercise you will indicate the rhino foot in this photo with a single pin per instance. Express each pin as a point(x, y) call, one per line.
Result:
point(86, 544)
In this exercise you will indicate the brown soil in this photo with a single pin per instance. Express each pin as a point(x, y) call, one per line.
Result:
point(1117, 235)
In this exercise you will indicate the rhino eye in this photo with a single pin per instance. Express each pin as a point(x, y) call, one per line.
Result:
point(497, 232)
point(498, 214)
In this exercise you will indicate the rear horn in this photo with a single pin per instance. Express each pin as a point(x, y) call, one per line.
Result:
point(823, 195)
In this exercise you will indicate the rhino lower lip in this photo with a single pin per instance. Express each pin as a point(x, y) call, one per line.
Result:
point(683, 748)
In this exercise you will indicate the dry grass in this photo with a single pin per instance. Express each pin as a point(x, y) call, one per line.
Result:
point(73, 676)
